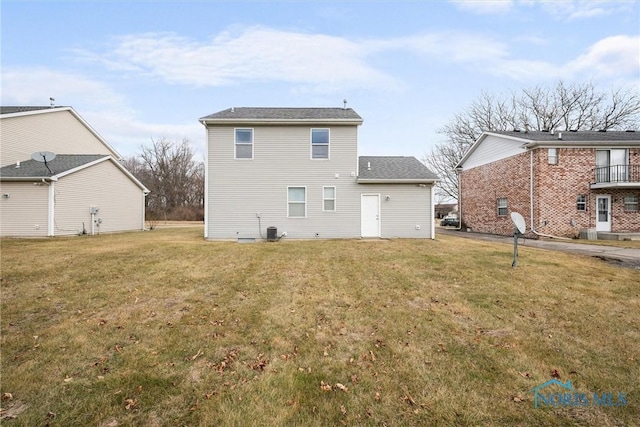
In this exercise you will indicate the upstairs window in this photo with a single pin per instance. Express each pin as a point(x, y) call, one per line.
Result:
point(244, 144)
point(296, 202)
point(329, 199)
point(502, 206)
point(552, 156)
point(319, 143)
point(612, 165)
point(581, 203)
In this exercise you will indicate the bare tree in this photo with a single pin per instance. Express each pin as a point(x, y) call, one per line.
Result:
point(175, 179)
point(562, 107)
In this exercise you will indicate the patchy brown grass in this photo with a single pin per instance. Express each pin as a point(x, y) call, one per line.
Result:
point(164, 329)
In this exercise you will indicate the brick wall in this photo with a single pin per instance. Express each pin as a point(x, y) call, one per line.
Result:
point(556, 191)
point(482, 186)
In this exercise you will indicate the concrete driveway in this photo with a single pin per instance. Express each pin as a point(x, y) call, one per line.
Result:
point(624, 257)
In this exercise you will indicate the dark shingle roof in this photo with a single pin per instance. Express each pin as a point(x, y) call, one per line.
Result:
point(569, 137)
point(284, 114)
point(393, 168)
point(24, 109)
point(61, 163)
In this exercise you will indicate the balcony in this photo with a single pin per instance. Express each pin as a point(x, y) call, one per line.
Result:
point(617, 176)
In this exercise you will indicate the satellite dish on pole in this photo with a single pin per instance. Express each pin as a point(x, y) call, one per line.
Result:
point(44, 157)
point(518, 222)
point(519, 228)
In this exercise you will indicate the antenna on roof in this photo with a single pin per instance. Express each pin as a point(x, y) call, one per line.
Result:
point(44, 157)
point(52, 102)
point(344, 102)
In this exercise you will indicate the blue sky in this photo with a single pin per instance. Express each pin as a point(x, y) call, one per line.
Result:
point(138, 70)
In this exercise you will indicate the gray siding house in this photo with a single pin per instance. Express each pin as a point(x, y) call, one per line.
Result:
point(296, 170)
point(84, 189)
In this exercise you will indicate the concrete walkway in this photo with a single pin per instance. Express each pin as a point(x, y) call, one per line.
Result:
point(625, 257)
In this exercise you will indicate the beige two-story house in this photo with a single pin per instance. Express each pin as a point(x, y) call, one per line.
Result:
point(60, 177)
point(277, 173)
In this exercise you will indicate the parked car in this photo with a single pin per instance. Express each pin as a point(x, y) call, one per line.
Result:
point(450, 220)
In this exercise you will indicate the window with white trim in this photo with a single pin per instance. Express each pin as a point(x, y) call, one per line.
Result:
point(631, 203)
point(581, 203)
point(319, 143)
point(244, 144)
point(552, 156)
point(502, 206)
point(329, 199)
point(296, 202)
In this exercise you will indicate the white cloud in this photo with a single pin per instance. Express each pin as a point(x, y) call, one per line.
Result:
point(562, 10)
point(309, 61)
point(484, 7)
point(456, 47)
point(616, 57)
point(106, 111)
point(609, 57)
point(255, 54)
point(34, 86)
point(582, 9)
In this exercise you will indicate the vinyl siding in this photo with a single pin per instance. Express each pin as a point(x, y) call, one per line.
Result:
point(491, 149)
point(25, 212)
point(239, 189)
point(60, 132)
point(102, 185)
point(408, 206)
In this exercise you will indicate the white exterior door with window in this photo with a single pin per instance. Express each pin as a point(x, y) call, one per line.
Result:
point(603, 212)
point(370, 215)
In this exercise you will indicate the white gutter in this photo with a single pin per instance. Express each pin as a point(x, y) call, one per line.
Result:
point(533, 230)
point(395, 181)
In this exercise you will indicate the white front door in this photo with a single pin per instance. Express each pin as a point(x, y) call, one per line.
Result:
point(370, 215)
point(603, 212)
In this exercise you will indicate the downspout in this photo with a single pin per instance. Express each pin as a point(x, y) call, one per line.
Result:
point(144, 209)
point(433, 212)
point(459, 173)
point(51, 209)
point(533, 230)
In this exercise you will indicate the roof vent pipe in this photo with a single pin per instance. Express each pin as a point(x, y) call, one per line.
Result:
point(17, 165)
point(559, 135)
point(233, 109)
point(368, 166)
point(526, 128)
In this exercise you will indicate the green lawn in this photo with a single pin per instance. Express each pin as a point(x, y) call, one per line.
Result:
point(164, 329)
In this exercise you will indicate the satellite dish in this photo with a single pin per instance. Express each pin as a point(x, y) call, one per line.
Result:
point(43, 156)
point(519, 228)
point(518, 222)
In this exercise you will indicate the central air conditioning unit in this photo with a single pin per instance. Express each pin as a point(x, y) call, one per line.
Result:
point(272, 234)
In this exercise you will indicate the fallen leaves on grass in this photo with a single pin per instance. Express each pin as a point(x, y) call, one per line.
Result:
point(260, 363)
point(12, 411)
point(555, 374)
point(325, 387)
point(407, 398)
point(130, 404)
point(198, 354)
point(341, 387)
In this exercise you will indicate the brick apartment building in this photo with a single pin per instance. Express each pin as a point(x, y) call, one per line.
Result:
point(563, 183)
